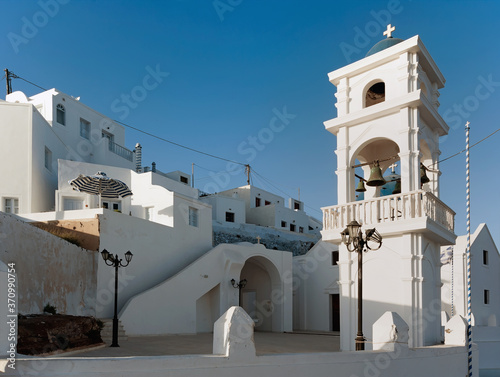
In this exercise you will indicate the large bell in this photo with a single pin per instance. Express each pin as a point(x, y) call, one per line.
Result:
point(361, 186)
point(423, 175)
point(376, 178)
point(397, 188)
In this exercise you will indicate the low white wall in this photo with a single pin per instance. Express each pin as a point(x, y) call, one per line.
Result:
point(49, 269)
point(428, 361)
point(488, 340)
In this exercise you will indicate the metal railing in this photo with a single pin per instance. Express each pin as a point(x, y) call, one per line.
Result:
point(392, 208)
point(121, 151)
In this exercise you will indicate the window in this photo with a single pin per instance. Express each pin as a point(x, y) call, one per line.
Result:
point(311, 228)
point(375, 94)
point(283, 224)
point(60, 114)
point(184, 180)
point(110, 137)
point(230, 217)
point(11, 205)
point(335, 257)
point(485, 257)
point(292, 227)
point(257, 202)
point(301, 229)
point(296, 205)
point(486, 296)
point(267, 203)
point(193, 216)
point(48, 159)
point(84, 129)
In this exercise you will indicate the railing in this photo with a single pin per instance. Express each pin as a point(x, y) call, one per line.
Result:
point(392, 208)
point(121, 151)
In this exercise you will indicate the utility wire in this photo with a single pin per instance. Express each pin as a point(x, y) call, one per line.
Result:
point(177, 144)
point(14, 76)
point(473, 145)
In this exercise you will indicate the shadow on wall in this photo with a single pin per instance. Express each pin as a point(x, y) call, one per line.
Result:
point(83, 233)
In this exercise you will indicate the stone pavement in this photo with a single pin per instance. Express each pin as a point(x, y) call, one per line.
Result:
point(201, 344)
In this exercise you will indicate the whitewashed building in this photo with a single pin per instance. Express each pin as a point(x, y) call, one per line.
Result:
point(44, 128)
point(485, 290)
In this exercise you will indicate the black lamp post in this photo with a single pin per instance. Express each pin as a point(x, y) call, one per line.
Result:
point(353, 238)
point(112, 260)
point(240, 286)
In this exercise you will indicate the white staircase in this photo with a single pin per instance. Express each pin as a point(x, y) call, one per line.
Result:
point(107, 331)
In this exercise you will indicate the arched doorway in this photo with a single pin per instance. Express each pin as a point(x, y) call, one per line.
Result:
point(262, 297)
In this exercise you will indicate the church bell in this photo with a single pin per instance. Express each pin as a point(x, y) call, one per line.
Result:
point(376, 178)
point(361, 186)
point(397, 188)
point(423, 175)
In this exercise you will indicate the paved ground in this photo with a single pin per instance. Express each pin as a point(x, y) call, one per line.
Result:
point(265, 343)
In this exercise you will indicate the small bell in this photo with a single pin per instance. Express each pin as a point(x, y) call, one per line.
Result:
point(423, 176)
point(361, 186)
point(397, 188)
point(376, 178)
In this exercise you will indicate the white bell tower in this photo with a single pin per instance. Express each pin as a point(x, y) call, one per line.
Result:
point(387, 112)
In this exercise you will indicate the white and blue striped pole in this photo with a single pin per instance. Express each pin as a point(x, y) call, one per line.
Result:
point(469, 309)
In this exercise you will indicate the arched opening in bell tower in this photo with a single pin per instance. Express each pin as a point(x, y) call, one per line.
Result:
point(375, 94)
point(383, 151)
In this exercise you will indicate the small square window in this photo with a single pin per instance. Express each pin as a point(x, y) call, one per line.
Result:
point(485, 257)
point(230, 217)
point(257, 202)
point(283, 224)
point(292, 227)
point(296, 205)
point(48, 159)
point(267, 203)
point(335, 257)
point(301, 229)
point(84, 129)
point(193, 216)
point(184, 180)
point(11, 205)
point(486, 296)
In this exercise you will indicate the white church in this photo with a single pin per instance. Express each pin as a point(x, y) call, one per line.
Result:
point(412, 300)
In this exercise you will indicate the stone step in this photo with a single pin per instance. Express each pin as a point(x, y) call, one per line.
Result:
point(107, 331)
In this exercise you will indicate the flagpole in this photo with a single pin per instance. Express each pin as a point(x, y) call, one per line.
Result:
point(469, 307)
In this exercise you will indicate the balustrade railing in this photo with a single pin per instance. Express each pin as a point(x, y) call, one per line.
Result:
point(121, 151)
point(392, 208)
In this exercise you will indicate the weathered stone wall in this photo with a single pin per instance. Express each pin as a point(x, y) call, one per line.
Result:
point(49, 269)
point(271, 238)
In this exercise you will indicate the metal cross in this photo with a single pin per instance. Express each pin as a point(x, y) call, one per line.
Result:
point(389, 30)
point(258, 239)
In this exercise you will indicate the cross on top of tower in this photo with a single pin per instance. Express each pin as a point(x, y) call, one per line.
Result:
point(393, 167)
point(389, 30)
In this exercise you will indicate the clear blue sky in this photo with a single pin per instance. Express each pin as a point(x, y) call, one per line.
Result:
point(226, 68)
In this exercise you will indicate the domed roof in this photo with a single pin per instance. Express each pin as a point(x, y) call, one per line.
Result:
point(383, 44)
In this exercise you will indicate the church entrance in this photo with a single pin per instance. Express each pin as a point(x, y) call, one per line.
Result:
point(256, 298)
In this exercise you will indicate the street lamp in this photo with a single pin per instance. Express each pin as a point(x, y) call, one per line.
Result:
point(353, 238)
point(112, 260)
point(240, 286)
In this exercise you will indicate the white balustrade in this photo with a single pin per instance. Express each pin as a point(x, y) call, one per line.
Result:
point(392, 208)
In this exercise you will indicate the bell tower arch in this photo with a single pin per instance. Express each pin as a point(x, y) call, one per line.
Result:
point(387, 114)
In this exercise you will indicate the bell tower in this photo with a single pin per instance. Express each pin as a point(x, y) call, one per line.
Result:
point(387, 115)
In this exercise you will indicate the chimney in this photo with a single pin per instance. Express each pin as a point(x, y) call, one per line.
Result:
point(153, 167)
point(138, 158)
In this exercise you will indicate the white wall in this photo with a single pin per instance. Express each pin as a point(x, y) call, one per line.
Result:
point(315, 279)
point(175, 305)
point(159, 252)
point(222, 204)
point(49, 269)
point(431, 361)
